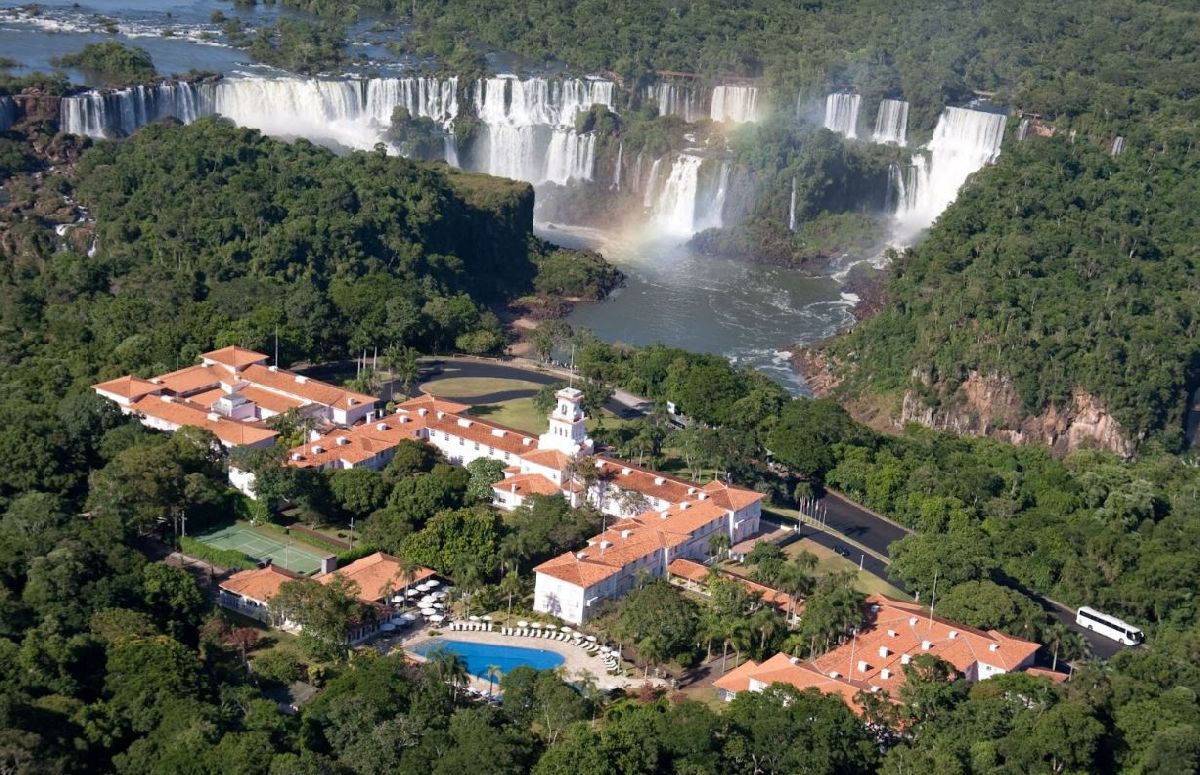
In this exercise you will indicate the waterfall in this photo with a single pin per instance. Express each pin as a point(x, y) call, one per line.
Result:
point(8, 113)
point(737, 104)
point(963, 142)
point(792, 208)
point(1022, 130)
point(637, 173)
point(709, 209)
point(675, 209)
point(571, 156)
point(529, 127)
point(1118, 146)
point(891, 125)
point(674, 99)
point(616, 184)
point(841, 113)
point(353, 113)
point(651, 187)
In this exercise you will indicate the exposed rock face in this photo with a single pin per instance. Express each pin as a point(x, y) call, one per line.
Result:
point(35, 106)
point(988, 405)
point(813, 364)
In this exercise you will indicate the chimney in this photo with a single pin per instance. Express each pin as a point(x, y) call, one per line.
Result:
point(863, 666)
point(440, 414)
point(884, 651)
point(317, 449)
point(626, 533)
point(905, 659)
point(891, 633)
point(272, 369)
point(684, 506)
point(498, 433)
point(626, 471)
point(464, 423)
point(912, 621)
point(422, 411)
point(297, 456)
point(993, 647)
point(658, 480)
point(703, 496)
point(953, 634)
point(834, 674)
point(214, 417)
point(381, 426)
point(885, 674)
point(926, 645)
point(664, 513)
point(691, 491)
point(301, 379)
point(605, 544)
point(342, 441)
point(350, 401)
point(328, 564)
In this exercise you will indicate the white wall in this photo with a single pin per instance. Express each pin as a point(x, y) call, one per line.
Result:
point(558, 598)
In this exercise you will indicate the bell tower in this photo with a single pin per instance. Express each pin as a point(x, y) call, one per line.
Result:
point(568, 425)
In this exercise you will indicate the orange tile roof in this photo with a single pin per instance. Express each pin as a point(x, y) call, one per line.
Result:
point(698, 573)
point(128, 387)
point(488, 434)
point(803, 675)
point(235, 357)
point(206, 398)
point(376, 575)
point(269, 400)
point(260, 584)
point(527, 484)
point(548, 458)
point(632, 539)
point(297, 385)
point(732, 498)
point(179, 412)
point(362, 442)
point(433, 404)
point(193, 378)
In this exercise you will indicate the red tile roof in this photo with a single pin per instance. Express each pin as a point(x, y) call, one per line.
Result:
point(128, 387)
point(260, 584)
point(377, 575)
point(527, 484)
point(235, 357)
point(180, 412)
point(299, 386)
point(698, 573)
point(362, 442)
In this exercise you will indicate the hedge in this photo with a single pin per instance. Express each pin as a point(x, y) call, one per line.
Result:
point(226, 558)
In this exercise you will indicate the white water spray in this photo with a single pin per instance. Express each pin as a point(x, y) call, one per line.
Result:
point(841, 113)
point(891, 124)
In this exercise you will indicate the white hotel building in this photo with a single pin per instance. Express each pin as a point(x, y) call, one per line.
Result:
point(660, 518)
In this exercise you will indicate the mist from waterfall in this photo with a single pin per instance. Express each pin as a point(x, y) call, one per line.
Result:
point(963, 142)
point(735, 104)
point(891, 124)
point(841, 113)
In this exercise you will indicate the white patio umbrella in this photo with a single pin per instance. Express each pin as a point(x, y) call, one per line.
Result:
point(413, 592)
point(591, 639)
point(536, 625)
point(473, 618)
point(433, 583)
point(439, 595)
point(486, 617)
point(408, 617)
point(437, 605)
point(436, 618)
point(522, 623)
point(428, 611)
point(565, 628)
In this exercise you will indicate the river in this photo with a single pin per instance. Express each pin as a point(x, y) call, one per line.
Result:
point(749, 313)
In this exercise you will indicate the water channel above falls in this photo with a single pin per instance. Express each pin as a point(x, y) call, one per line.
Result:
point(747, 312)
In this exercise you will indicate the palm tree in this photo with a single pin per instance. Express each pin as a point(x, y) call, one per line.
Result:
point(493, 673)
point(449, 668)
point(796, 581)
point(719, 544)
point(1063, 642)
point(765, 622)
point(511, 585)
point(402, 363)
point(406, 573)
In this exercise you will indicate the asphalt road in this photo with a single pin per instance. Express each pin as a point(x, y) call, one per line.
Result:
point(840, 514)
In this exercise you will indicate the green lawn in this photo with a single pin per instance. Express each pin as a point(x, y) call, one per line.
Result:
point(466, 387)
point(520, 413)
point(829, 561)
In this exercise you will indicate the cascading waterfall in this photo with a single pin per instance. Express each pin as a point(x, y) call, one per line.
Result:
point(891, 124)
point(8, 113)
point(651, 185)
point(529, 127)
point(792, 208)
point(674, 99)
point(689, 199)
point(737, 104)
point(963, 142)
point(841, 113)
point(353, 112)
point(616, 184)
point(1118, 146)
point(1022, 130)
point(637, 173)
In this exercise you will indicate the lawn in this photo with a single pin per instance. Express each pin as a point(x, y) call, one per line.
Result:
point(829, 561)
point(468, 387)
point(520, 413)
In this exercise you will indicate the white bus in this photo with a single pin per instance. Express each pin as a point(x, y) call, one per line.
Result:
point(1108, 626)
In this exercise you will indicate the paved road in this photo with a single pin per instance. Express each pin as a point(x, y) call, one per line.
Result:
point(841, 514)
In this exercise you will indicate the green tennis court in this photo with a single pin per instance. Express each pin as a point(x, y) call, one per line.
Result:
point(283, 552)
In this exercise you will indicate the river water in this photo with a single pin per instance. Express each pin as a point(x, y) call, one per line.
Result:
point(746, 312)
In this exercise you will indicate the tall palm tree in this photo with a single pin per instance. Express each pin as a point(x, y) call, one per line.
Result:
point(406, 573)
point(1064, 643)
point(493, 673)
point(449, 668)
point(764, 621)
point(719, 544)
point(510, 586)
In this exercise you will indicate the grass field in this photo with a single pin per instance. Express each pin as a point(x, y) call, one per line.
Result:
point(829, 561)
point(466, 387)
point(281, 551)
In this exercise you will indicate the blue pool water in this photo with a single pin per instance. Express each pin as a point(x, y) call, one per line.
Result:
point(479, 655)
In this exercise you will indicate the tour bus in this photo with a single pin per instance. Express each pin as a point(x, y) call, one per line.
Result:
point(1108, 626)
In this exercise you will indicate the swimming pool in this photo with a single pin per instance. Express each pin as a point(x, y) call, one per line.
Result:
point(478, 656)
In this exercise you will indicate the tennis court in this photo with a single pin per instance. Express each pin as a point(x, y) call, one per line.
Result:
point(281, 551)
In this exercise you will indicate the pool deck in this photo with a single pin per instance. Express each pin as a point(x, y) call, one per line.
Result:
point(576, 661)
